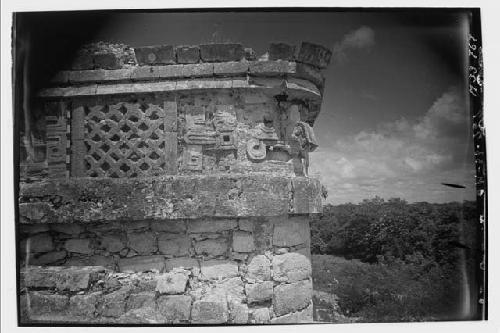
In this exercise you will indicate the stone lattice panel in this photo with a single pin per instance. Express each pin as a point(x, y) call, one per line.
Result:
point(125, 140)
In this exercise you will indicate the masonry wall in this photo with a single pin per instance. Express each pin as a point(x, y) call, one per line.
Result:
point(247, 270)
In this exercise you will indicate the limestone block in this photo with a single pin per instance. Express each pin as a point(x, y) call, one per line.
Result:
point(112, 243)
point(105, 261)
point(238, 313)
point(78, 245)
point(211, 225)
point(37, 243)
point(243, 242)
point(271, 68)
point(291, 297)
point(145, 299)
point(113, 304)
point(211, 247)
point(315, 55)
point(41, 303)
point(187, 54)
point(232, 289)
point(259, 316)
point(231, 68)
point(174, 308)
point(245, 225)
point(210, 311)
point(302, 316)
point(171, 283)
point(67, 228)
point(218, 269)
point(106, 61)
point(62, 278)
point(142, 264)
point(155, 55)
point(221, 52)
point(259, 268)
point(46, 258)
point(178, 246)
point(186, 263)
point(309, 73)
point(142, 242)
point(281, 51)
point(197, 70)
point(33, 228)
point(175, 226)
point(84, 305)
point(292, 232)
point(291, 267)
point(259, 292)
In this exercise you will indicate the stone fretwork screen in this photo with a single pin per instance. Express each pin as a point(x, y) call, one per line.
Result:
point(126, 140)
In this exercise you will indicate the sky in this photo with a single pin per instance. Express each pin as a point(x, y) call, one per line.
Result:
point(394, 120)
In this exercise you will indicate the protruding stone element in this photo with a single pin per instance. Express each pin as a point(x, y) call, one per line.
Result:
point(238, 313)
point(78, 245)
point(155, 55)
point(172, 283)
point(243, 242)
point(291, 267)
point(41, 303)
point(211, 310)
point(302, 316)
point(187, 54)
point(291, 297)
point(174, 308)
point(37, 243)
point(218, 269)
point(142, 264)
point(174, 245)
point(281, 51)
point(259, 316)
point(142, 242)
point(259, 268)
point(291, 232)
point(221, 52)
point(84, 305)
point(313, 54)
point(259, 292)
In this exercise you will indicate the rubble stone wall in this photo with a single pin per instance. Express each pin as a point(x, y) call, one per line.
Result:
point(247, 270)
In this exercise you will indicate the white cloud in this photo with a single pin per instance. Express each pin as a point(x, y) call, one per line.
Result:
point(361, 38)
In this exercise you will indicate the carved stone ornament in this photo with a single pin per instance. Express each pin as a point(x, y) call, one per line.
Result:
point(256, 149)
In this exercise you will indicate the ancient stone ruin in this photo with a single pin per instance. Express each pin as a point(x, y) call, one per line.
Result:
point(174, 187)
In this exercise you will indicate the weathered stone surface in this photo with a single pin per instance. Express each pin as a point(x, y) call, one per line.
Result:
point(106, 61)
point(232, 289)
point(211, 225)
point(259, 268)
point(246, 225)
point(37, 243)
point(243, 242)
point(83, 61)
point(187, 54)
point(105, 261)
point(178, 246)
point(291, 232)
point(221, 52)
point(142, 264)
point(259, 316)
point(281, 51)
point(231, 68)
point(78, 245)
point(62, 278)
point(238, 313)
point(309, 73)
point(46, 258)
point(218, 269)
point(142, 242)
point(112, 243)
point(210, 311)
point(211, 247)
point(34, 229)
point(291, 267)
point(250, 54)
point(314, 54)
point(177, 226)
point(155, 55)
point(113, 304)
point(271, 68)
point(186, 263)
point(174, 308)
point(68, 229)
point(307, 196)
point(291, 297)
point(172, 283)
point(145, 299)
point(259, 292)
point(84, 305)
point(303, 316)
point(41, 303)
point(263, 232)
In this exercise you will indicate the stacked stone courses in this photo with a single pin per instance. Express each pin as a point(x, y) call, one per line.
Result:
point(174, 190)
